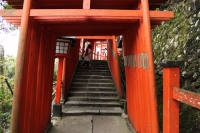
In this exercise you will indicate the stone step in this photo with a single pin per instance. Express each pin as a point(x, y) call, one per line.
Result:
point(86, 84)
point(90, 98)
point(74, 110)
point(91, 70)
point(93, 103)
point(98, 62)
point(94, 67)
point(95, 64)
point(93, 80)
point(93, 73)
point(92, 93)
point(92, 77)
point(91, 88)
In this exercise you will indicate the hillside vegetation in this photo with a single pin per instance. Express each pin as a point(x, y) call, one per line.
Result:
point(179, 39)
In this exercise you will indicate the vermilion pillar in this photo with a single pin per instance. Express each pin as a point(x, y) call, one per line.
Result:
point(151, 81)
point(51, 64)
point(57, 106)
point(39, 79)
point(171, 79)
point(19, 71)
point(64, 78)
point(37, 89)
point(31, 79)
point(59, 80)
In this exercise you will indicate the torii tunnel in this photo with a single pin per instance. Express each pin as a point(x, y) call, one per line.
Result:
point(43, 21)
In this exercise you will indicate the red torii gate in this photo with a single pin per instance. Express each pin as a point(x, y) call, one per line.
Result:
point(43, 21)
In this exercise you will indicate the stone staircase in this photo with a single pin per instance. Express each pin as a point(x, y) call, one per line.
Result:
point(92, 92)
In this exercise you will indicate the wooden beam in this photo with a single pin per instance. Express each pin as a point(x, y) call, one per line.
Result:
point(90, 33)
point(86, 13)
point(12, 18)
point(89, 21)
point(86, 4)
point(94, 37)
point(134, 14)
point(187, 97)
point(88, 26)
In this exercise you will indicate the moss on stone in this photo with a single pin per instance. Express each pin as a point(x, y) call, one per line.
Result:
point(179, 39)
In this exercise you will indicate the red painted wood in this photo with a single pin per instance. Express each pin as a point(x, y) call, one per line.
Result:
point(151, 76)
point(50, 60)
point(144, 78)
point(31, 80)
point(24, 109)
point(80, 13)
point(37, 89)
point(78, 4)
point(187, 97)
point(46, 84)
point(137, 81)
point(44, 79)
point(71, 66)
point(171, 78)
point(64, 79)
point(117, 78)
point(95, 37)
point(16, 126)
point(59, 78)
point(53, 44)
point(86, 4)
point(39, 80)
point(114, 65)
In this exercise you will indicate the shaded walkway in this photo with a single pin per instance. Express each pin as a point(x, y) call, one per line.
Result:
point(91, 124)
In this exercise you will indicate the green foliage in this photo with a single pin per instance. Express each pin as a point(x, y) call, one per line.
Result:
point(10, 69)
point(8, 65)
point(7, 6)
point(179, 39)
point(55, 71)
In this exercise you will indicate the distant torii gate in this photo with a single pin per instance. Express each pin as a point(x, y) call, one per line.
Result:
point(39, 30)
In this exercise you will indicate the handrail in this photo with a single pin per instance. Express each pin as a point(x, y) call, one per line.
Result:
point(173, 95)
point(123, 83)
point(187, 97)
